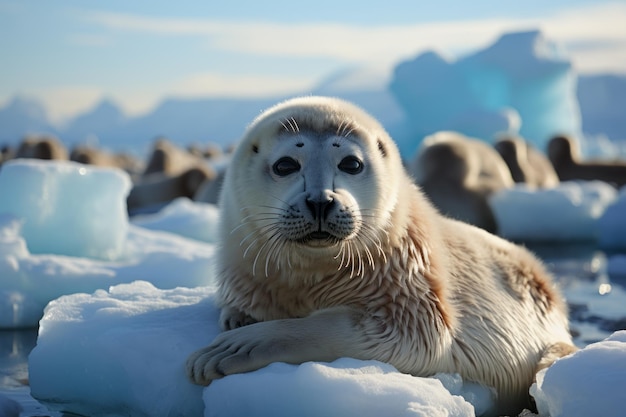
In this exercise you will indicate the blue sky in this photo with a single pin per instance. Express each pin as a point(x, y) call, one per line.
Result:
point(70, 54)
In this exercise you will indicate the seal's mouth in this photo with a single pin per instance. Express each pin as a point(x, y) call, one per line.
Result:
point(319, 238)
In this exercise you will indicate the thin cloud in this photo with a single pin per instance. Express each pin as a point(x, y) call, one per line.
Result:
point(83, 39)
point(218, 84)
point(367, 43)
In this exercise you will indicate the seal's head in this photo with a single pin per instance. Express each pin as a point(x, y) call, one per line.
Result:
point(314, 179)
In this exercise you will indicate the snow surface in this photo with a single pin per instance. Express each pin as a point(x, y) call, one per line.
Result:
point(133, 340)
point(194, 220)
point(588, 383)
point(568, 212)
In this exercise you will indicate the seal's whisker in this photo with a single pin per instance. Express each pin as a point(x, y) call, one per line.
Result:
point(283, 125)
point(361, 267)
point(350, 259)
point(248, 221)
point(339, 128)
point(342, 250)
point(256, 258)
point(370, 234)
point(259, 231)
point(273, 241)
point(295, 123)
point(370, 258)
point(290, 125)
point(274, 251)
point(245, 252)
point(349, 132)
point(279, 208)
point(253, 242)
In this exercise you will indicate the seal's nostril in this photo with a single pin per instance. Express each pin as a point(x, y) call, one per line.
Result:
point(313, 208)
point(320, 208)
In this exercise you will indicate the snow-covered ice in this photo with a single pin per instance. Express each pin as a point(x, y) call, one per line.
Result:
point(194, 220)
point(123, 350)
point(85, 206)
point(568, 212)
point(588, 383)
point(345, 387)
point(29, 280)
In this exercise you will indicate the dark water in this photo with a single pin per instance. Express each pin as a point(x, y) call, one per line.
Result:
point(570, 265)
point(15, 345)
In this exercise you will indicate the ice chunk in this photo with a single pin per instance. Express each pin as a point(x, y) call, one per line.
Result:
point(182, 216)
point(29, 281)
point(568, 212)
point(67, 208)
point(123, 351)
point(588, 383)
point(522, 76)
point(348, 387)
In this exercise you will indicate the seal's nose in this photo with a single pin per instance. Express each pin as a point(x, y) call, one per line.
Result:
point(320, 207)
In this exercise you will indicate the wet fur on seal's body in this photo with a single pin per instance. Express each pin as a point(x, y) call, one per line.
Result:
point(403, 285)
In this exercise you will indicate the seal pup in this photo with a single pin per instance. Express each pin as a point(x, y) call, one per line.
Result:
point(328, 249)
point(459, 174)
point(564, 154)
point(527, 164)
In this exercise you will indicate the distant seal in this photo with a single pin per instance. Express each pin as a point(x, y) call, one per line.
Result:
point(458, 174)
point(527, 164)
point(564, 154)
point(155, 190)
point(170, 172)
point(329, 250)
point(169, 159)
point(41, 147)
point(100, 157)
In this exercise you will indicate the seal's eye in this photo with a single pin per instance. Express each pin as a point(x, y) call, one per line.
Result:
point(351, 165)
point(285, 166)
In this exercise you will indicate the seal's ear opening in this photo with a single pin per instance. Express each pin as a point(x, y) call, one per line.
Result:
point(255, 148)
